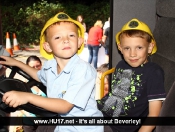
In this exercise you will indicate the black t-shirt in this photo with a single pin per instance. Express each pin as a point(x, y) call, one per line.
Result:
point(131, 90)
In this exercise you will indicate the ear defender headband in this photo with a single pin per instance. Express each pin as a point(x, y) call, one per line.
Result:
point(60, 17)
point(135, 24)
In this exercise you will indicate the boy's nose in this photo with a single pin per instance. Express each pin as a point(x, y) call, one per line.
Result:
point(132, 53)
point(65, 40)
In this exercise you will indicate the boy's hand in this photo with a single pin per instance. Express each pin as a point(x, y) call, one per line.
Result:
point(15, 98)
point(8, 61)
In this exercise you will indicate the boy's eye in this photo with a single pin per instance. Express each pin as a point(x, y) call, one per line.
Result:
point(139, 47)
point(126, 48)
point(57, 37)
point(72, 35)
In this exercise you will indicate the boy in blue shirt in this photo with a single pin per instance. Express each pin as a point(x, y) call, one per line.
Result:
point(69, 80)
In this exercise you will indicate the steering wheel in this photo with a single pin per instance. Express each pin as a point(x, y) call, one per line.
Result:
point(9, 84)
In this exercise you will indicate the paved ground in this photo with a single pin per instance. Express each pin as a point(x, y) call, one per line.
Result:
point(22, 55)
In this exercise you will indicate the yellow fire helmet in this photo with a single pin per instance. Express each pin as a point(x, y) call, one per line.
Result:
point(135, 24)
point(58, 18)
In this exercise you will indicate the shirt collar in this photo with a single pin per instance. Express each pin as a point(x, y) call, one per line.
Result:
point(53, 64)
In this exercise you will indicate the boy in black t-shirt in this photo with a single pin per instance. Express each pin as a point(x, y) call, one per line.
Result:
point(137, 85)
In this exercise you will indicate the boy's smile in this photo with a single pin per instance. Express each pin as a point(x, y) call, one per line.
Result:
point(135, 50)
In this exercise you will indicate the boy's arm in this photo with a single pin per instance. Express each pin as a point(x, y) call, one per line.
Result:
point(13, 62)
point(15, 98)
point(60, 106)
point(154, 110)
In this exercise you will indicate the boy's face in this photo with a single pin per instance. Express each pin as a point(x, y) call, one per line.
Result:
point(135, 50)
point(63, 40)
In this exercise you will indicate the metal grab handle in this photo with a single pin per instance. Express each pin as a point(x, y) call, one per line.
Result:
point(102, 81)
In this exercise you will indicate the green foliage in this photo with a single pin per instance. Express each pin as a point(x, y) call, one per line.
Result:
point(28, 20)
point(91, 13)
point(98, 11)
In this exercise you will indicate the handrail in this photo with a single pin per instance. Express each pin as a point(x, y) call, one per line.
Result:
point(102, 81)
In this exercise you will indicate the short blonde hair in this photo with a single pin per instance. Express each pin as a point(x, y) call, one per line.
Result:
point(98, 23)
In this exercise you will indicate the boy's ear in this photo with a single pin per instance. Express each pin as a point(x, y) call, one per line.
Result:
point(46, 46)
point(80, 41)
point(150, 48)
point(119, 47)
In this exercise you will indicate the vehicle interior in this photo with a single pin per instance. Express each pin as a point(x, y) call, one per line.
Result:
point(160, 17)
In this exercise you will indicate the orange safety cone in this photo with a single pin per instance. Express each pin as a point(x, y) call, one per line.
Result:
point(15, 43)
point(8, 44)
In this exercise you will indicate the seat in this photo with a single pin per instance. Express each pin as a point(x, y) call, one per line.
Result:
point(164, 34)
point(168, 110)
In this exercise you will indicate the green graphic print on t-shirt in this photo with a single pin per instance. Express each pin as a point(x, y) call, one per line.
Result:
point(124, 92)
